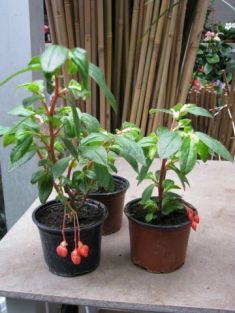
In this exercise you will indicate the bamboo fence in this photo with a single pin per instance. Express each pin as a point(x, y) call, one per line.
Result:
point(222, 107)
point(145, 48)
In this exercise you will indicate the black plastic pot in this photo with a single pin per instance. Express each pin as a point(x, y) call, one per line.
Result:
point(114, 201)
point(165, 246)
point(51, 238)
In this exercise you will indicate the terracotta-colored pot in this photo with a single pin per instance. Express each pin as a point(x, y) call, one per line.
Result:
point(114, 201)
point(157, 248)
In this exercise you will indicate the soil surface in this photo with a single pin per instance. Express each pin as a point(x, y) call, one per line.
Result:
point(138, 212)
point(52, 216)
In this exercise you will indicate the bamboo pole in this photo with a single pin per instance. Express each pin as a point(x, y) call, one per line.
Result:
point(158, 118)
point(194, 40)
point(143, 52)
point(61, 33)
point(51, 20)
point(147, 62)
point(76, 23)
point(133, 39)
point(140, 24)
point(100, 10)
point(82, 22)
point(108, 55)
point(176, 56)
point(127, 31)
point(108, 42)
point(87, 37)
point(155, 54)
point(118, 59)
point(68, 21)
point(94, 53)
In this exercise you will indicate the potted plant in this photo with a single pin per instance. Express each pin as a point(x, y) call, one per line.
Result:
point(73, 154)
point(113, 198)
point(160, 225)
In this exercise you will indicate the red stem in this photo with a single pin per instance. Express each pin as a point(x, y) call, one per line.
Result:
point(75, 232)
point(51, 113)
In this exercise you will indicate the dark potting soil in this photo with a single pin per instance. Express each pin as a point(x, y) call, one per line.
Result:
point(138, 212)
point(52, 216)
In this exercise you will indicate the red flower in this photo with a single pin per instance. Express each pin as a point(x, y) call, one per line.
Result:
point(201, 70)
point(196, 84)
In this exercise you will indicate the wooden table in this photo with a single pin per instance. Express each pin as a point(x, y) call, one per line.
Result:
point(206, 283)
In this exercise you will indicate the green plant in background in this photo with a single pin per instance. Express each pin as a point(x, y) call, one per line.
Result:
point(71, 147)
point(213, 63)
point(178, 148)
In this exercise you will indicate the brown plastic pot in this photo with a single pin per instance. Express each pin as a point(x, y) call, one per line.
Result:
point(114, 201)
point(157, 248)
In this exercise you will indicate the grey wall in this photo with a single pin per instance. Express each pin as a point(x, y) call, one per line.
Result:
point(21, 37)
point(223, 13)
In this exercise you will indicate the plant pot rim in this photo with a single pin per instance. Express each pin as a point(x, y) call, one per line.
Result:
point(161, 227)
point(125, 182)
point(71, 230)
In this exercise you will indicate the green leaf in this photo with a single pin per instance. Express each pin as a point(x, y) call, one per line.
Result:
point(90, 123)
point(156, 110)
point(103, 177)
point(36, 86)
point(34, 63)
point(20, 110)
point(195, 110)
point(68, 144)
point(215, 146)
point(208, 68)
point(68, 127)
point(98, 77)
point(170, 205)
point(148, 141)
point(20, 149)
point(202, 151)
point(45, 186)
point(60, 166)
point(78, 90)
point(94, 139)
point(53, 58)
point(169, 184)
point(183, 179)
point(27, 157)
point(45, 162)
point(76, 121)
point(30, 100)
point(130, 148)
point(37, 176)
point(149, 217)
point(147, 193)
point(213, 59)
point(169, 143)
point(131, 160)
point(8, 139)
point(188, 155)
point(79, 58)
point(95, 154)
point(27, 69)
point(144, 170)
